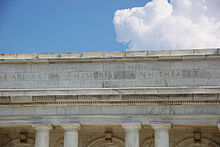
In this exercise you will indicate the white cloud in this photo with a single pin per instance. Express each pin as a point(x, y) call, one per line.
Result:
point(180, 24)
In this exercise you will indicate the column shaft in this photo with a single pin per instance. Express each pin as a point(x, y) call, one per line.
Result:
point(161, 134)
point(71, 135)
point(131, 135)
point(42, 136)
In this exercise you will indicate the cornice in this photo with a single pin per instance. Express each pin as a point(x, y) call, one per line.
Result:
point(111, 96)
point(187, 54)
point(111, 91)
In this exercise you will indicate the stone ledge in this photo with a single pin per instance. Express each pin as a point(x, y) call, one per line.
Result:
point(149, 55)
point(111, 91)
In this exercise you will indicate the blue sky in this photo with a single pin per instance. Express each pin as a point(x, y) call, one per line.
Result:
point(45, 26)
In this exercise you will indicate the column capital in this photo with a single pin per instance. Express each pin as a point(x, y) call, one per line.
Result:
point(70, 126)
point(131, 126)
point(156, 126)
point(42, 127)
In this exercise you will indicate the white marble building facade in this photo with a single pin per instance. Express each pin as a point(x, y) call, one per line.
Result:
point(115, 99)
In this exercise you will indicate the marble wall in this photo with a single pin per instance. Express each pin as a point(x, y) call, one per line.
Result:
point(110, 75)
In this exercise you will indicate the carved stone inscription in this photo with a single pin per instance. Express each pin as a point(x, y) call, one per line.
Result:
point(104, 75)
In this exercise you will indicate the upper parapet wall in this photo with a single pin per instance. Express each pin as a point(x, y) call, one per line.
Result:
point(174, 68)
point(148, 55)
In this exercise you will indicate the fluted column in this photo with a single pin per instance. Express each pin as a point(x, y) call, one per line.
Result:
point(42, 135)
point(71, 135)
point(132, 134)
point(161, 134)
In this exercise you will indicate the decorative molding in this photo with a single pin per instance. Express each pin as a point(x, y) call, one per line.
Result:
point(131, 126)
point(147, 142)
point(71, 127)
point(29, 143)
point(59, 143)
point(42, 127)
point(103, 141)
point(191, 143)
point(118, 102)
point(160, 126)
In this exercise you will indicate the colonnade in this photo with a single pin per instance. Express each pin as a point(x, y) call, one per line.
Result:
point(131, 134)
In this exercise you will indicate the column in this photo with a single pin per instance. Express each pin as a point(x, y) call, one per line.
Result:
point(132, 134)
point(161, 134)
point(42, 135)
point(71, 135)
point(219, 126)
